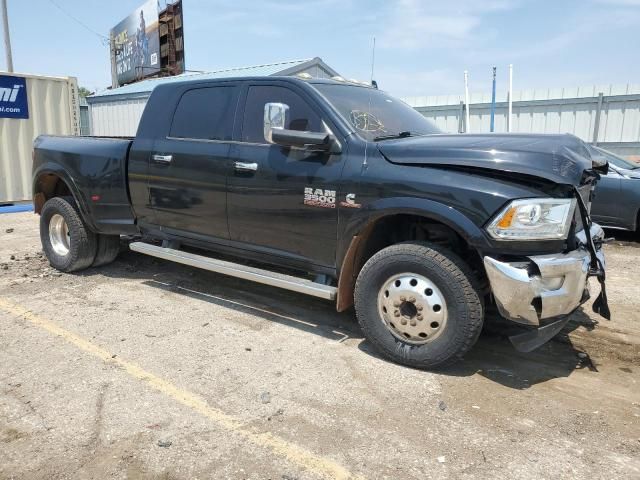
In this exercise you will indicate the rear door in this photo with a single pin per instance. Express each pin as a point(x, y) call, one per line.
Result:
point(188, 168)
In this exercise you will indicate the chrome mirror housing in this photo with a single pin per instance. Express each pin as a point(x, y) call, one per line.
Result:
point(275, 117)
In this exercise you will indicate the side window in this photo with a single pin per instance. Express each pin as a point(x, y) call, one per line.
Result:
point(301, 115)
point(205, 113)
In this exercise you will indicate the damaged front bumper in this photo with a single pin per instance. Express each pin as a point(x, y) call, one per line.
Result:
point(544, 286)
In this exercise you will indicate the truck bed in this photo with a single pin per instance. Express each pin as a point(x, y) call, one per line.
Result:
point(95, 169)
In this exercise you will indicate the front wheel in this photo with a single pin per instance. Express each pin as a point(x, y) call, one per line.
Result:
point(418, 304)
point(67, 242)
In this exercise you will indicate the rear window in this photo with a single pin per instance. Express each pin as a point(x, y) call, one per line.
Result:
point(205, 113)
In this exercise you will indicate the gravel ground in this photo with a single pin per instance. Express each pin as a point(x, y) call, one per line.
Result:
point(145, 369)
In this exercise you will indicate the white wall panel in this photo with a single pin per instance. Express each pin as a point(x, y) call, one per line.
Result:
point(116, 118)
point(556, 110)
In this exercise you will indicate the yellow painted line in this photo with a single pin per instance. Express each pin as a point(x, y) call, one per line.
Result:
point(290, 451)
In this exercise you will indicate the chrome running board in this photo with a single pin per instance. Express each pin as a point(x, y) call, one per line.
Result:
point(288, 282)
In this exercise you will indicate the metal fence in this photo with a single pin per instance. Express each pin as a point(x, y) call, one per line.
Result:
point(605, 115)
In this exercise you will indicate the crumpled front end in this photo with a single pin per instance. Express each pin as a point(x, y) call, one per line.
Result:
point(544, 286)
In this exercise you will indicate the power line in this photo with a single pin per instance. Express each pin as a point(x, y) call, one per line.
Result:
point(103, 38)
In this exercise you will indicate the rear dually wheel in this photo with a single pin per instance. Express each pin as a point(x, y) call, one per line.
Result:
point(67, 242)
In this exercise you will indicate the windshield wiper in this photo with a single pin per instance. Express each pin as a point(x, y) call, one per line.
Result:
point(395, 135)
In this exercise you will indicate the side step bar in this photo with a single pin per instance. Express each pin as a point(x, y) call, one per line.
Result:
point(288, 282)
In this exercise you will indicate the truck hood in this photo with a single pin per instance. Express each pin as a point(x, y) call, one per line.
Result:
point(562, 159)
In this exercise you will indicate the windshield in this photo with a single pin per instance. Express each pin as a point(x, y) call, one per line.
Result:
point(615, 160)
point(374, 114)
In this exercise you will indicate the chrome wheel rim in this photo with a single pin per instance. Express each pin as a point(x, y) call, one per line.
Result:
point(412, 308)
point(59, 235)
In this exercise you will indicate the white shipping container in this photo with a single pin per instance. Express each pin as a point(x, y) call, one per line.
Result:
point(54, 110)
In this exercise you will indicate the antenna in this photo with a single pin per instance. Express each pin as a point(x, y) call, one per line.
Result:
point(373, 58)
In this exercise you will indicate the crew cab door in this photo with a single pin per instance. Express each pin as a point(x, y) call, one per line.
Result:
point(188, 168)
point(268, 183)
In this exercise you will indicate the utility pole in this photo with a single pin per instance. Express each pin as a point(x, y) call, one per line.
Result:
point(510, 109)
point(7, 39)
point(493, 102)
point(467, 125)
point(112, 54)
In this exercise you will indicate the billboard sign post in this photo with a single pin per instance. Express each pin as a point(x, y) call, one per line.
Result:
point(13, 97)
point(136, 44)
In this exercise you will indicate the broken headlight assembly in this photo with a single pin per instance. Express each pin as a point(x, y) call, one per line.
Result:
point(533, 219)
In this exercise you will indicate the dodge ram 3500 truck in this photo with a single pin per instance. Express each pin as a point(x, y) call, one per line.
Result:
point(341, 191)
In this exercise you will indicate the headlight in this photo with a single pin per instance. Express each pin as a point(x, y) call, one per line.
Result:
point(534, 219)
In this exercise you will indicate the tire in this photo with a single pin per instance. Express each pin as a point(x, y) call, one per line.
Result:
point(60, 215)
point(108, 250)
point(442, 308)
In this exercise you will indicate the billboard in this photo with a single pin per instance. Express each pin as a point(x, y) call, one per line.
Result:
point(13, 97)
point(136, 44)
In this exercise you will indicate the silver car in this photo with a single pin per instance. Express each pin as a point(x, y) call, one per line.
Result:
point(616, 202)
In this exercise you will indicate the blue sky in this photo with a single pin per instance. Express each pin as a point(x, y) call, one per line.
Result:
point(422, 46)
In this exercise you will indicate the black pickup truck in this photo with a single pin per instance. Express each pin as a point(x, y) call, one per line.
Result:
point(338, 190)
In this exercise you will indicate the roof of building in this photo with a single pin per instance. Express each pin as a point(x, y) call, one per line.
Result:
point(143, 88)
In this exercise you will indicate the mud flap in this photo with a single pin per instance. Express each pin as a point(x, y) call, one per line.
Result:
point(532, 339)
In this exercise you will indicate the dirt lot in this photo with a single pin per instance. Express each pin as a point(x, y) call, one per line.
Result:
point(145, 369)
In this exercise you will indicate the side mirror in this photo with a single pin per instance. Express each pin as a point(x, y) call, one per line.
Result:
point(308, 140)
point(275, 118)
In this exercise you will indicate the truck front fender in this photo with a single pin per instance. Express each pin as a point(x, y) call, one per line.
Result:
point(428, 209)
point(359, 227)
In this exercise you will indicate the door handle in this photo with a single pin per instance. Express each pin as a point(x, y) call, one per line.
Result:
point(245, 167)
point(162, 158)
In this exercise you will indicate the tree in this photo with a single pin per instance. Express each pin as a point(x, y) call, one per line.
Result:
point(83, 92)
